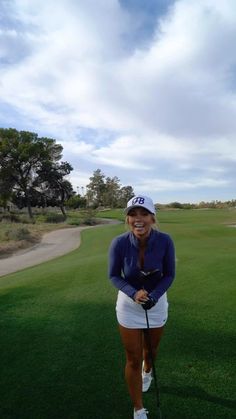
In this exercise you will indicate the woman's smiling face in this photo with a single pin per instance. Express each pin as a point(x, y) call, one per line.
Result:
point(140, 222)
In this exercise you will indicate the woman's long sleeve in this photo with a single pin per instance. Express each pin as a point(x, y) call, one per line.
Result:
point(168, 273)
point(115, 270)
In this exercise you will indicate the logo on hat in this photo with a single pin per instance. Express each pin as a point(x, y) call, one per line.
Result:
point(139, 200)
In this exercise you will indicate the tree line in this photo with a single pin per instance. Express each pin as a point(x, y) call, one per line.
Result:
point(102, 191)
point(107, 191)
point(33, 175)
point(215, 204)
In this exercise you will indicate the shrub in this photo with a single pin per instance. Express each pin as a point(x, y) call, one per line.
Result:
point(24, 219)
point(10, 218)
point(89, 217)
point(74, 222)
point(89, 221)
point(41, 218)
point(54, 218)
point(21, 233)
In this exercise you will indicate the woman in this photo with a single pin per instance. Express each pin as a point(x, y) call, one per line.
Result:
point(142, 267)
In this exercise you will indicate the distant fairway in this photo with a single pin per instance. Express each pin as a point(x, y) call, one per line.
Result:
point(61, 355)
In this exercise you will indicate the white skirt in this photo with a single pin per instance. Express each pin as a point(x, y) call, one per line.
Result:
point(132, 315)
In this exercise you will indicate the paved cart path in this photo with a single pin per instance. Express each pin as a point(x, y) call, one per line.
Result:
point(53, 244)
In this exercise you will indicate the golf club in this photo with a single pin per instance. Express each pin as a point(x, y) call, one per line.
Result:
point(144, 276)
point(159, 414)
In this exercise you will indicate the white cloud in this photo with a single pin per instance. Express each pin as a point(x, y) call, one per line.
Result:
point(169, 105)
point(157, 185)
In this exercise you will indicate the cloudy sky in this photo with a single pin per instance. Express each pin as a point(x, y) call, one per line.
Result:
point(144, 90)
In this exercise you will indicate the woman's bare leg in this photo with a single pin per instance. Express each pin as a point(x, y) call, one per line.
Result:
point(133, 343)
point(153, 336)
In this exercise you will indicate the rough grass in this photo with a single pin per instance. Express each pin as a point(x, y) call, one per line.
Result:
point(21, 235)
point(16, 236)
point(61, 355)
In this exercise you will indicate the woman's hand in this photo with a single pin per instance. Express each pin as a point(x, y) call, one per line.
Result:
point(141, 296)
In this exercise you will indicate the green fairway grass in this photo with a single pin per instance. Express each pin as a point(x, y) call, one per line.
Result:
point(61, 355)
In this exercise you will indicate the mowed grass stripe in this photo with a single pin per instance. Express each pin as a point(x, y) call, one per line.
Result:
point(61, 354)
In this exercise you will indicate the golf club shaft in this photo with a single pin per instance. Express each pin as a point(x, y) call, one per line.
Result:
point(153, 368)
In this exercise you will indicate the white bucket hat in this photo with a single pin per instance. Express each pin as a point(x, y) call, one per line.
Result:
point(140, 201)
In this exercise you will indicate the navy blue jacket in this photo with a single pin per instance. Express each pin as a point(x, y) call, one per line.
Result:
point(124, 269)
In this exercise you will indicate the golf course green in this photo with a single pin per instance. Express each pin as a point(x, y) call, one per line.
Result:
point(61, 355)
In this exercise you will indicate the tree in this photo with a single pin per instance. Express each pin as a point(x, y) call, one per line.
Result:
point(107, 191)
point(36, 199)
point(125, 194)
point(52, 185)
point(76, 201)
point(111, 192)
point(5, 192)
point(96, 188)
point(22, 156)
